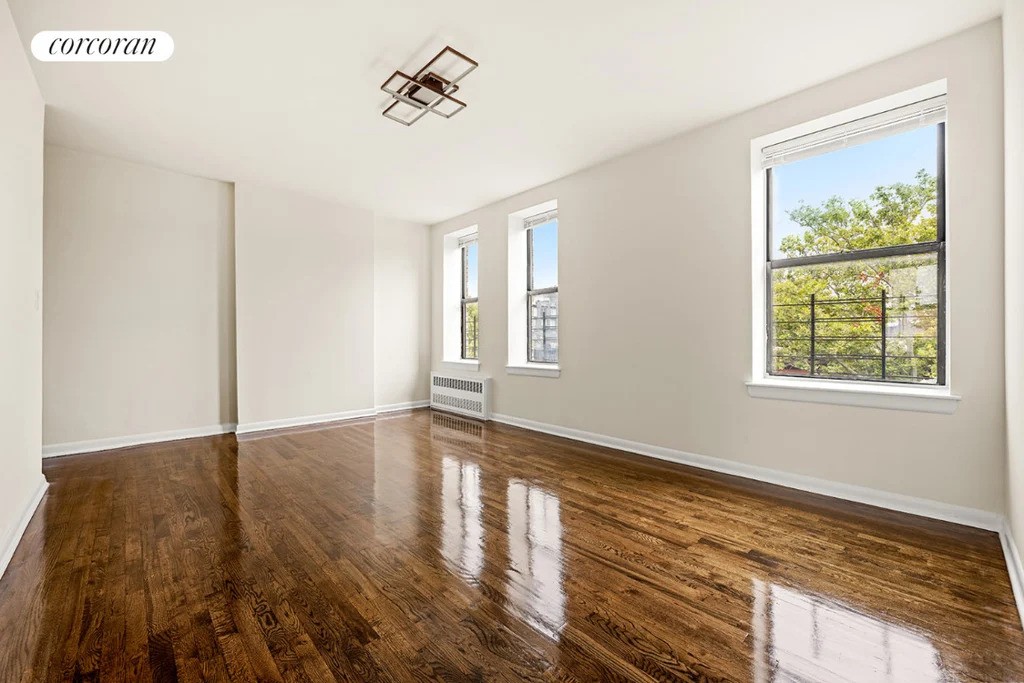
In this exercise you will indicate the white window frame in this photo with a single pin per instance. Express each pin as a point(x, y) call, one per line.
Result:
point(451, 302)
point(518, 321)
point(934, 399)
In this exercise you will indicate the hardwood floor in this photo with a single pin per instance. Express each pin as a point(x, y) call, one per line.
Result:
point(425, 547)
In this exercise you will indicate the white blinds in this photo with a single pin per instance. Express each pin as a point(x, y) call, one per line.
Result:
point(924, 113)
point(540, 218)
point(466, 240)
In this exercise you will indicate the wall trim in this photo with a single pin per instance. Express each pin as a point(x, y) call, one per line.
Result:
point(981, 519)
point(847, 393)
point(11, 543)
point(396, 407)
point(1014, 567)
point(250, 427)
point(95, 445)
point(74, 447)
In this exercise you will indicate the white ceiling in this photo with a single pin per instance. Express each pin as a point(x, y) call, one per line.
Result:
point(287, 93)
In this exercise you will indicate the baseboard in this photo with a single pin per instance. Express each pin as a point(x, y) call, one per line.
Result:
point(396, 407)
point(980, 519)
point(11, 543)
point(1014, 567)
point(250, 427)
point(74, 447)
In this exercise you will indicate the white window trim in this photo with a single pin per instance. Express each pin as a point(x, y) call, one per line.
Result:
point(850, 393)
point(517, 304)
point(451, 300)
point(461, 365)
point(844, 392)
point(534, 370)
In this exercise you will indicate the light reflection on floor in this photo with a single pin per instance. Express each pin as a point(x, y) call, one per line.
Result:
point(462, 530)
point(803, 637)
point(535, 556)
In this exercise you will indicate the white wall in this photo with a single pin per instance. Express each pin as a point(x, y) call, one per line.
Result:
point(401, 320)
point(1013, 78)
point(138, 330)
point(304, 293)
point(664, 233)
point(21, 251)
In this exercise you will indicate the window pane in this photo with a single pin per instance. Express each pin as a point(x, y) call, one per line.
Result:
point(544, 238)
point(470, 330)
point(472, 273)
point(859, 308)
point(544, 328)
point(877, 194)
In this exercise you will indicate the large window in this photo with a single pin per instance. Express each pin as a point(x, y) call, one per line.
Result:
point(542, 287)
point(855, 247)
point(470, 298)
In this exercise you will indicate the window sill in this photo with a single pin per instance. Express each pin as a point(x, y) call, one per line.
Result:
point(461, 365)
point(534, 370)
point(863, 394)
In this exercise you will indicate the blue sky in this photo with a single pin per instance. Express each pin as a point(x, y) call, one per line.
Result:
point(472, 286)
point(545, 254)
point(852, 173)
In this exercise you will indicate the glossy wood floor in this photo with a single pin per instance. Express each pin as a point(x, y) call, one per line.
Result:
point(424, 547)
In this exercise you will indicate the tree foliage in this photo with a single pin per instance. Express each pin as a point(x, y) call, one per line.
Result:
point(848, 296)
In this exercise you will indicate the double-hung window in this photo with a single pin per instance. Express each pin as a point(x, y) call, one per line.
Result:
point(542, 287)
point(855, 237)
point(470, 306)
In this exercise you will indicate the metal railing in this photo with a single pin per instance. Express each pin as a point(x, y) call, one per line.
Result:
point(851, 338)
point(543, 334)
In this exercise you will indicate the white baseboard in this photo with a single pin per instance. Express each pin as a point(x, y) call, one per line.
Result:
point(11, 542)
point(250, 427)
point(73, 447)
point(1014, 567)
point(980, 519)
point(396, 407)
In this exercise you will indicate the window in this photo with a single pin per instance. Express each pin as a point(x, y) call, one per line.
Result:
point(460, 309)
point(542, 287)
point(534, 326)
point(855, 249)
point(470, 303)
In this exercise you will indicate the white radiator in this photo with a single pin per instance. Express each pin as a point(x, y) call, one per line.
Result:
point(462, 395)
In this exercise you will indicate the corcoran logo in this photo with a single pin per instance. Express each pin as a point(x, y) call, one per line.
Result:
point(102, 46)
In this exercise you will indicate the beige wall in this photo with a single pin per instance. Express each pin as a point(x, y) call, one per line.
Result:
point(139, 302)
point(21, 252)
point(401, 320)
point(304, 288)
point(664, 233)
point(1013, 77)
point(139, 331)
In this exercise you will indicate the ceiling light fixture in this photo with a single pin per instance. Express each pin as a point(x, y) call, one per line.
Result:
point(430, 90)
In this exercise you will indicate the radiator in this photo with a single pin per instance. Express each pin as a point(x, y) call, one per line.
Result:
point(456, 394)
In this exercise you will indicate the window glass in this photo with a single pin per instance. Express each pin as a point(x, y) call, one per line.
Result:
point(544, 328)
point(856, 262)
point(544, 240)
point(878, 194)
point(870, 319)
point(470, 330)
point(472, 271)
point(542, 294)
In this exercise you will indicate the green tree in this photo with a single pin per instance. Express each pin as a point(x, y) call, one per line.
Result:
point(848, 295)
point(472, 334)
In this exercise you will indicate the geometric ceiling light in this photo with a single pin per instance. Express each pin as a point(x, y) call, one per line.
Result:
point(431, 89)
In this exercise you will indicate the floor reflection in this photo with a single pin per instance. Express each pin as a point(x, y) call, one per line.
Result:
point(803, 637)
point(535, 557)
point(462, 530)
